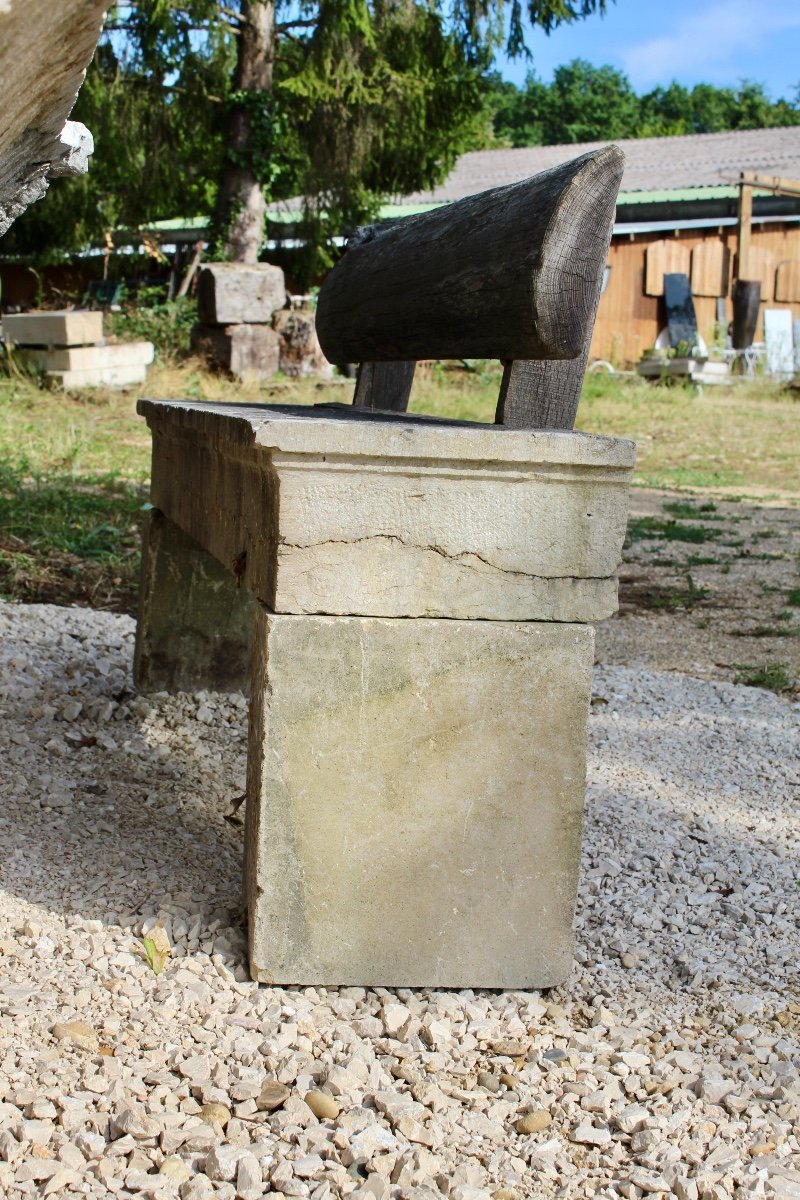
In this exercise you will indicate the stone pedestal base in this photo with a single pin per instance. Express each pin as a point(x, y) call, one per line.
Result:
point(194, 626)
point(421, 675)
point(415, 791)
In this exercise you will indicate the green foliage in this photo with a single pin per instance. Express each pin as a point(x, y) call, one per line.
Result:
point(67, 538)
point(383, 109)
point(640, 528)
point(369, 98)
point(588, 103)
point(148, 317)
point(773, 675)
point(153, 99)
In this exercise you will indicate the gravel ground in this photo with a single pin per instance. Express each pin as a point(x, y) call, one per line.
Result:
point(668, 1063)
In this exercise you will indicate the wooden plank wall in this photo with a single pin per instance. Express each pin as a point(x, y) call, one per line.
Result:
point(628, 320)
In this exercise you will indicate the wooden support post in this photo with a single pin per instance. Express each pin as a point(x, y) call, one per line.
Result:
point(541, 395)
point(745, 223)
point(384, 385)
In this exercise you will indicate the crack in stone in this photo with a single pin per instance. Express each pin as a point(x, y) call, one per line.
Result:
point(462, 554)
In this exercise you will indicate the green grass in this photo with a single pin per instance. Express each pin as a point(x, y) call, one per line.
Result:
point(793, 597)
point(74, 467)
point(691, 508)
point(69, 538)
point(774, 675)
point(644, 528)
point(681, 598)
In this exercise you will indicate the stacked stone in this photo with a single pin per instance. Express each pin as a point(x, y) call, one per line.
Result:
point(70, 350)
point(245, 327)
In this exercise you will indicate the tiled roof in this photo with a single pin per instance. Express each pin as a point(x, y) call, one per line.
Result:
point(698, 160)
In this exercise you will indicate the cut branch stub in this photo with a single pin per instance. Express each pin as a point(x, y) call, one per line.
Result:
point(511, 273)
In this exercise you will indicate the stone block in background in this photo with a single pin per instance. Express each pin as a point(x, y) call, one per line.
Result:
point(74, 327)
point(239, 293)
point(414, 807)
point(118, 364)
point(247, 351)
point(301, 354)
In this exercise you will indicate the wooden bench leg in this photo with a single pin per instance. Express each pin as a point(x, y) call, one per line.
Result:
point(415, 790)
point(194, 624)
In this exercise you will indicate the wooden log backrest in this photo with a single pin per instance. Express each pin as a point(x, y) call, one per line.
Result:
point(513, 273)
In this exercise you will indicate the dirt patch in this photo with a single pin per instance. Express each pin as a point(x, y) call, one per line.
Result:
point(710, 588)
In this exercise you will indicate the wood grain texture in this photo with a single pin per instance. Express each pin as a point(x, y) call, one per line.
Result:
point(667, 257)
point(787, 281)
point(628, 320)
point(744, 232)
point(384, 385)
point(711, 269)
point(44, 51)
point(761, 266)
point(510, 273)
point(541, 395)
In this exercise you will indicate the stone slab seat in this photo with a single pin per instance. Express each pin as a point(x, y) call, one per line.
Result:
point(407, 601)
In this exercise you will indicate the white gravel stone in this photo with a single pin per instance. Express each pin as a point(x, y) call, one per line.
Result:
point(671, 1053)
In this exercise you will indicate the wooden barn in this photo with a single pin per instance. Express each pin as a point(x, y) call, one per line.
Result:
point(677, 211)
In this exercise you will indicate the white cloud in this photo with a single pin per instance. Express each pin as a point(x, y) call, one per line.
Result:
point(710, 41)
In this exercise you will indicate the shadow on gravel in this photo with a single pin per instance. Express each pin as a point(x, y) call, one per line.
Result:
point(684, 867)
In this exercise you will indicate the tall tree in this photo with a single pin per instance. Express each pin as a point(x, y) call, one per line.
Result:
point(203, 106)
point(241, 204)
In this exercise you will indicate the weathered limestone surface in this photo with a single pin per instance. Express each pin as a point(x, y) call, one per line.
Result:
point(301, 353)
point(44, 51)
point(247, 351)
point(98, 377)
point(392, 517)
point(72, 327)
point(93, 358)
point(239, 293)
point(194, 623)
point(415, 791)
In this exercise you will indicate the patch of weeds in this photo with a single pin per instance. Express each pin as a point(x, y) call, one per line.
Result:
point(767, 587)
point(689, 508)
point(663, 562)
point(149, 317)
point(764, 533)
point(642, 594)
point(642, 528)
point(763, 557)
point(793, 597)
point(725, 569)
point(69, 539)
point(701, 560)
point(765, 631)
point(774, 676)
point(786, 614)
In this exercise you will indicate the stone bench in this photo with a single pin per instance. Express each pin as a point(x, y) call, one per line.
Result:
point(407, 602)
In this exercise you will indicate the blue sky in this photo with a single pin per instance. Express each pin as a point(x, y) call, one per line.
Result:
point(693, 41)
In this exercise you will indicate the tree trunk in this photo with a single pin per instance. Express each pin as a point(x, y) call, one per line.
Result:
point(241, 205)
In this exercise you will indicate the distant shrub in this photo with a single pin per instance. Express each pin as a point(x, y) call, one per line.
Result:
point(148, 317)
